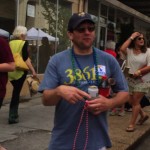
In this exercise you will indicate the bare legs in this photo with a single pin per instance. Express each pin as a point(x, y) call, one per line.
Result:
point(136, 110)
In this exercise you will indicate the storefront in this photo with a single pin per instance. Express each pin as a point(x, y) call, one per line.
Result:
point(7, 15)
point(115, 21)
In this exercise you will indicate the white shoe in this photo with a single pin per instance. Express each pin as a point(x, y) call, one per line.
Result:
point(121, 113)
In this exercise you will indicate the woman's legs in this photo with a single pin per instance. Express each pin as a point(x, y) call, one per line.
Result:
point(143, 118)
point(136, 108)
point(13, 111)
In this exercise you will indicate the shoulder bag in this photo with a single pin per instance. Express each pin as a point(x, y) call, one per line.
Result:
point(19, 62)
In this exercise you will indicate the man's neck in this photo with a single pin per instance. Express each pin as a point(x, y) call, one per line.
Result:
point(82, 51)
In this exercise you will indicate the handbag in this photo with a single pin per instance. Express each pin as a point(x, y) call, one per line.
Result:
point(19, 62)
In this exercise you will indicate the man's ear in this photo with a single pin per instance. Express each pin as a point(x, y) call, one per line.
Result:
point(70, 35)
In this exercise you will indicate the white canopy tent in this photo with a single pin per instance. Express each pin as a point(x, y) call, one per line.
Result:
point(34, 34)
point(37, 35)
point(4, 33)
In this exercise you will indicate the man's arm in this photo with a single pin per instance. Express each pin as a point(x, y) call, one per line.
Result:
point(7, 67)
point(119, 99)
point(68, 93)
point(50, 97)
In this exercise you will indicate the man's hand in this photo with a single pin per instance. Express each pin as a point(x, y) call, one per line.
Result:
point(72, 94)
point(98, 105)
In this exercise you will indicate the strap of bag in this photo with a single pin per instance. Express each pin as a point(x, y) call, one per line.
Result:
point(16, 46)
point(21, 46)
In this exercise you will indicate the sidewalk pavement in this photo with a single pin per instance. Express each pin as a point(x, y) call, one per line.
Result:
point(122, 140)
point(36, 117)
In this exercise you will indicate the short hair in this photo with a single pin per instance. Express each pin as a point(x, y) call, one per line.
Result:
point(45, 40)
point(110, 45)
point(19, 30)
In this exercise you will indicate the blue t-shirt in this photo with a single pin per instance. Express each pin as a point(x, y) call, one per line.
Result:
point(60, 71)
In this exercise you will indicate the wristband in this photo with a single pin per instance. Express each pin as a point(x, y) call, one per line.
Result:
point(139, 72)
point(131, 38)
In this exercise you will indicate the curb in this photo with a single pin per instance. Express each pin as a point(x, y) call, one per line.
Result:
point(139, 140)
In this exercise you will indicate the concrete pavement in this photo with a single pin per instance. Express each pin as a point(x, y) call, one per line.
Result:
point(123, 140)
point(33, 130)
point(36, 122)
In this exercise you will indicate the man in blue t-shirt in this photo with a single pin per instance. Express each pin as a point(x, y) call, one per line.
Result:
point(81, 121)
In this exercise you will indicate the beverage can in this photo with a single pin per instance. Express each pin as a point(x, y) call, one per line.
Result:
point(93, 91)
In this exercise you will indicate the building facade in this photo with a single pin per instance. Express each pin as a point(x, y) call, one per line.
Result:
point(114, 21)
point(113, 18)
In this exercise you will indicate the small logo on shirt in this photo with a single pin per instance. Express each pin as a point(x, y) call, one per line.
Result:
point(101, 70)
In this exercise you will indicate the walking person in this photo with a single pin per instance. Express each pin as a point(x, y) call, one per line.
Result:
point(6, 64)
point(45, 52)
point(138, 60)
point(17, 77)
point(80, 121)
point(110, 48)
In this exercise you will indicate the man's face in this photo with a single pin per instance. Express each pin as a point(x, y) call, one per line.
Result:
point(83, 36)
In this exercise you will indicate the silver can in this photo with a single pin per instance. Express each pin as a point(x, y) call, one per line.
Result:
point(93, 91)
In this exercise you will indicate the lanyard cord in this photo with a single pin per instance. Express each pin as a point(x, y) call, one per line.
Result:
point(74, 70)
point(74, 59)
point(84, 111)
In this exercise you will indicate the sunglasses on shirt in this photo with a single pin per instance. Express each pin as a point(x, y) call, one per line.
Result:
point(83, 29)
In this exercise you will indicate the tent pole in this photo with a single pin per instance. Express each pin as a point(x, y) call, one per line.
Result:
point(38, 53)
point(17, 13)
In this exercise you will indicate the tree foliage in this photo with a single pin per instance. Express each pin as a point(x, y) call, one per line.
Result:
point(50, 14)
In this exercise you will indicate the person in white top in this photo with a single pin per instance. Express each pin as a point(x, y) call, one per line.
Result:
point(138, 60)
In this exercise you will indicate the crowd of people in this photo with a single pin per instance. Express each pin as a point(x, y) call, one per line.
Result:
point(111, 49)
point(137, 56)
point(71, 74)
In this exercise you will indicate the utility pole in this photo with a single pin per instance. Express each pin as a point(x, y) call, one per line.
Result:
point(17, 12)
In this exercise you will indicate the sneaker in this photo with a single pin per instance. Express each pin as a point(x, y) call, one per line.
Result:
point(128, 110)
point(121, 113)
point(113, 112)
point(13, 119)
